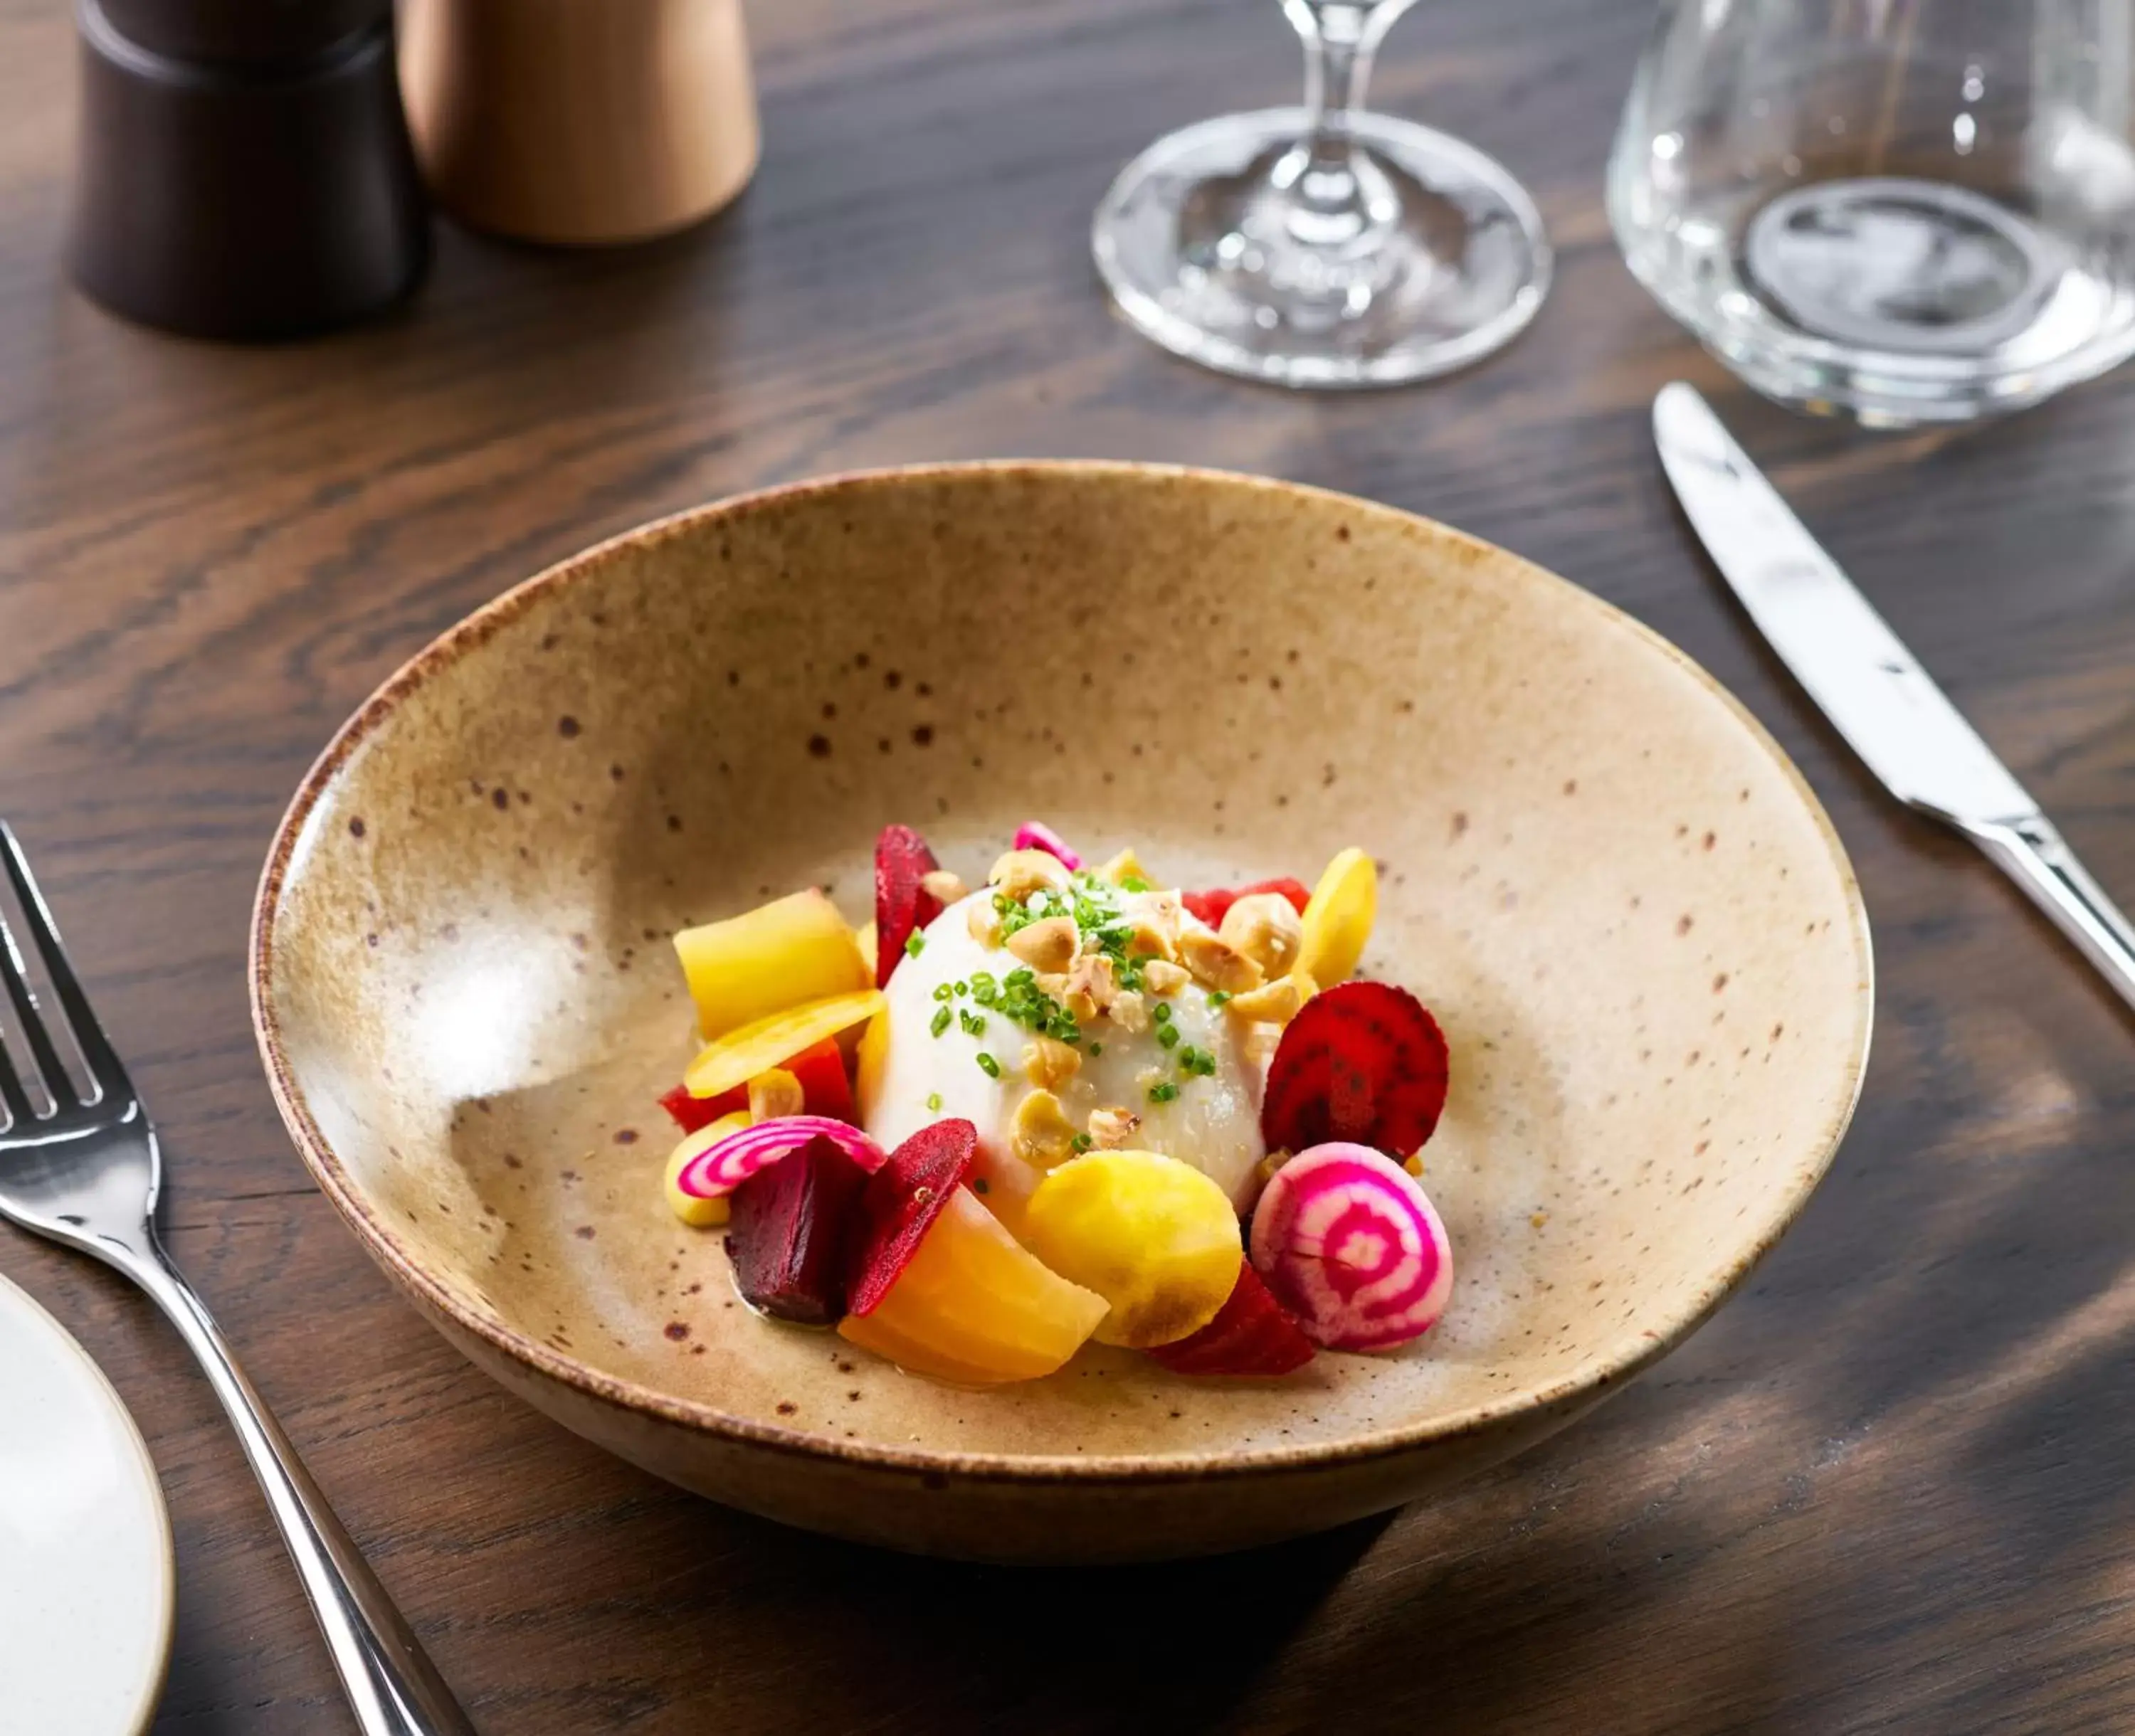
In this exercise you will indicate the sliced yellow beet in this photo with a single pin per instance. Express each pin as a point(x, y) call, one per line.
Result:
point(1338, 917)
point(868, 1065)
point(976, 1306)
point(739, 1056)
point(700, 1213)
point(1155, 1237)
point(781, 954)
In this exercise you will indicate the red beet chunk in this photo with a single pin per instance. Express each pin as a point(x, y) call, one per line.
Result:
point(902, 905)
point(791, 1227)
point(825, 1090)
point(1362, 1062)
point(692, 1112)
point(1212, 908)
point(902, 1199)
point(1249, 1335)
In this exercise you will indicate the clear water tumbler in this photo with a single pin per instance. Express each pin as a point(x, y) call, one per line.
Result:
point(1907, 211)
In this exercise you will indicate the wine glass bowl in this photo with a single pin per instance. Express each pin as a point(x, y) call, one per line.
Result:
point(1323, 245)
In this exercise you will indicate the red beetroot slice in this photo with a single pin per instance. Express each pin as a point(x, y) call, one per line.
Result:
point(902, 905)
point(692, 1112)
point(1363, 1062)
point(825, 1090)
point(792, 1223)
point(1249, 1335)
point(1212, 908)
point(901, 1203)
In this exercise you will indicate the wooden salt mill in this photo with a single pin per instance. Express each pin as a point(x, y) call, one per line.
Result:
point(579, 122)
point(244, 169)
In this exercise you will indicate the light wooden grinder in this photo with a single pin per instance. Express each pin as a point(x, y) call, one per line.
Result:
point(585, 122)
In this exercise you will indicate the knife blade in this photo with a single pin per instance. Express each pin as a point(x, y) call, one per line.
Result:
point(1862, 677)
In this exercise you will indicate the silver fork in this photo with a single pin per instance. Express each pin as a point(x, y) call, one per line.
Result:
point(85, 1171)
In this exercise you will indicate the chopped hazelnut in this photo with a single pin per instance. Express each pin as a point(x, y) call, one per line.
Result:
point(1020, 873)
point(1051, 1063)
point(1265, 927)
point(1111, 1128)
point(985, 923)
point(1218, 964)
point(1129, 1011)
point(1043, 1135)
point(1091, 976)
point(1160, 976)
point(1125, 866)
point(1155, 919)
point(1048, 945)
point(1276, 1002)
point(1080, 1003)
point(774, 1094)
point(940, 883)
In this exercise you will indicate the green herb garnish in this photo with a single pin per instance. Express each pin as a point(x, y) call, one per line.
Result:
point(941, 1022)
point(988, 1065)
point(974, 1026)
point(934, 1101)
point(1081, 1143)
point(915, 943)
point(1168, 1036)
point(1162, 1093)
point(1216, 997)
point(1161, 1013)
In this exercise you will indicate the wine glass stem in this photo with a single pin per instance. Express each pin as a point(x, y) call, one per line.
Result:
point(1341, 41)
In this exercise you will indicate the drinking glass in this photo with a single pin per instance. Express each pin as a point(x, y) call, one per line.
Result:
point(1910, 211)
point(1323, 245)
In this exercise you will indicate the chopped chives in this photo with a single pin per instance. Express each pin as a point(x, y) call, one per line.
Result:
point(988, 1065)
point(974, 1026)
point(1162, 1093)
point(1168, 1036)
point(1161, 1013)
point(934, 1101)
point(941, 1018)
point(915, 943)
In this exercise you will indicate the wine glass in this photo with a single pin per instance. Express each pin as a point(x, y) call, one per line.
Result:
point(1322, 246)
point(1909, 212)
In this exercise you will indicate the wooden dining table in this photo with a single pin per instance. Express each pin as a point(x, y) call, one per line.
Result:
point(1891, 1487)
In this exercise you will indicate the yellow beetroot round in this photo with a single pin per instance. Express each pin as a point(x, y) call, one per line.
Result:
point(1155, 1237)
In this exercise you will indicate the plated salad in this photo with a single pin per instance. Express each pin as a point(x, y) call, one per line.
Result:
point(1070, 1105)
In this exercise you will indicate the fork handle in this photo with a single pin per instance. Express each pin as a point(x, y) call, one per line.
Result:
point(392, 1685)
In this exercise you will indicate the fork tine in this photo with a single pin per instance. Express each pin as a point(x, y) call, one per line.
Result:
point(12, 1097)
point(107, 1074)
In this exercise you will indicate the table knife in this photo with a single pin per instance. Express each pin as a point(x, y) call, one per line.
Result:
point(1873, 689)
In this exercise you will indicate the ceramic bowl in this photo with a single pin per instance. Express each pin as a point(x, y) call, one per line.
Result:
point(1629, 913)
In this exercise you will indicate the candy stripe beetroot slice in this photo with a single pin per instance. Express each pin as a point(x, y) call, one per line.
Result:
point(1212, 906)
point(1034, 834)
point(1250, 1336)
point(1352, 1246)
point(1361, 1061)
point(790, 1231)
point(719, 1169)
point(902, 905)
point(902, 1199)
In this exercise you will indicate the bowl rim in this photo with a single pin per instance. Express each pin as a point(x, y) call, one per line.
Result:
point(1582, 1386)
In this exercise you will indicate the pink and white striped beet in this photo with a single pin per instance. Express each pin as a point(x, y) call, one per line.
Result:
point(718, 1169)
point(1034, 834)
point(1351, 1246)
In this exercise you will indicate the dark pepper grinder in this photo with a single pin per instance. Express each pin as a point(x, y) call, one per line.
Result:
point(245, 169)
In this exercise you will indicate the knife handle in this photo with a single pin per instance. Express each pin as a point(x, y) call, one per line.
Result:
point(2031, 852)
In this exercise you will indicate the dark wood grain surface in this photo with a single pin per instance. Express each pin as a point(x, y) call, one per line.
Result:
point(1888, 1488)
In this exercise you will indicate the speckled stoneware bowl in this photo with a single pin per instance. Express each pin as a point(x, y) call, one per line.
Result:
point(1631, 916)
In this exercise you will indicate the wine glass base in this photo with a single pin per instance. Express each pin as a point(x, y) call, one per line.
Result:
point(1459, 268)
point(1899, 303)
